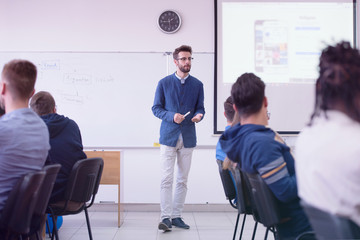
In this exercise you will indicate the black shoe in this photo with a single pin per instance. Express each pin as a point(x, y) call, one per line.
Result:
point(165, 225)
point(178, 222)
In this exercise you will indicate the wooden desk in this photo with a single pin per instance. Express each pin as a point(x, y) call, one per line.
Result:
point(112, 175)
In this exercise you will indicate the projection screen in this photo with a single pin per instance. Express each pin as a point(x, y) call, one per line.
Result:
point(281, 43)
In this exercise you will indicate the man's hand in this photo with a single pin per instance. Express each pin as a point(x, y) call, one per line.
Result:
point(197, 118)
point(178, 118)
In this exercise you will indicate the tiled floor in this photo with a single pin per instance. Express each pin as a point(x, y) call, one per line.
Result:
point(143, 226)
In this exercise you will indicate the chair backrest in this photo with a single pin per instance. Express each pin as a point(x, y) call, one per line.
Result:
point(84, 180)
point(243, 198)
point(39, 215)
point(330, 226)
point(227, 182)
point(19, 207)
point(266, 204)
point(51, 172)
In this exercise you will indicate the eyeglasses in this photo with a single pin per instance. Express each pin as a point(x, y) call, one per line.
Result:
point(184, 59)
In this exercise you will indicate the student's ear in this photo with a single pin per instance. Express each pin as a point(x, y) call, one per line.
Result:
point(265, 102)
point(54, 111)
point(234, 107)
point(3, 88)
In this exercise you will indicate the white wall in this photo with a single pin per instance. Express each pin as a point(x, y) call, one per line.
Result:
point(103, 25)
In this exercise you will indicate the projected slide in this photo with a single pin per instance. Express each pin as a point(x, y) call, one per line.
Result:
point(271, 52)
point(281, 41)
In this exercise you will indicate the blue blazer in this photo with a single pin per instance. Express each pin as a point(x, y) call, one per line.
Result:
point(173, 97)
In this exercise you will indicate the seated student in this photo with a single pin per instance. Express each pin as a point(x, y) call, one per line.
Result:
point(24, 140)
point(65, 140)
point(258, 149)
point(220, 155)
point(229, 115)
point(328, 149)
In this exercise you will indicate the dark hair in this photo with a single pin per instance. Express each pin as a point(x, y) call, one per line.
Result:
point(229, 109)
point(2, 111)
point(20, 75)
point(338, 84)
point(42, 103)
point(182, 48)
point(248, 94)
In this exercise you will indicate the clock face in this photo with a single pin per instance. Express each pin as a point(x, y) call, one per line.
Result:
point(169, 21)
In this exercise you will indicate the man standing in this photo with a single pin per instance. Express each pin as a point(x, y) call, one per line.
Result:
point(24, 140)
point(179, 102)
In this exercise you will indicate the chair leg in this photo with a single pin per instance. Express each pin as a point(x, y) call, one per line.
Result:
point(266, 233)
point(88, 223)
point(236, 225)
point(54, 219)
point(38, 235)
point(54, 231)
point(242, 226)
point(275, 232)
point(254, 231)
point(48, 227)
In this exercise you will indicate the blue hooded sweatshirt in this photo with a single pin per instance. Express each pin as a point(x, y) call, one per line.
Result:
point(256, 149)
point(66, 149)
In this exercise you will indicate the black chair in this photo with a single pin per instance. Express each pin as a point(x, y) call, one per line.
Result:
point(266, 204)
point(82, 186)
point(39, 216)
point(330, 226)
point(243, 202)
point(230, 192)
point(228, 184)
point(19, 208)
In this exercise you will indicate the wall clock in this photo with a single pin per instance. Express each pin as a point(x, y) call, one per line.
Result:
point(169, 21)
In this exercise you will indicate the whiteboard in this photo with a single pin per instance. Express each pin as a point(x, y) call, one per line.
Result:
point(110, 94)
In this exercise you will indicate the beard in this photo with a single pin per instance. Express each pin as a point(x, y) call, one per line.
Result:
point(185, 69)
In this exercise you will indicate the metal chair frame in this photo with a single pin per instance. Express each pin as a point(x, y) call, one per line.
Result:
point(82, 187)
